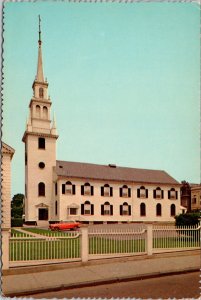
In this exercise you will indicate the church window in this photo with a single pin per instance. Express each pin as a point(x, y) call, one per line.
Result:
point(172, 210)
point(87, 208)
point(125, 209)
point(37, 111)
point(41, 143)
point(142, 192)
point(142, 210)
point(25, 158)
point(41, 165)
point(45, 112)
point(158, 193)
point(41, 189)
point(124, 191)
point(40, 92)
point(106, 191)
point(158, 210)
point(107, 209)
point(56, 188)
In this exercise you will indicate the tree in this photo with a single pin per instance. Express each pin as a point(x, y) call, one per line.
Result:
point(17, 206)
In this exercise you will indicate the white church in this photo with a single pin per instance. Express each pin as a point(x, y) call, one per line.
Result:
point(58, 190)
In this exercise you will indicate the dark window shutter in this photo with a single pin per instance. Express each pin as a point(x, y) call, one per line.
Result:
point(120, 192)
point(168, 194)
point(129, 192)
point(129, 210)
point(102, 209)
point(176, 195)
point(92, 209)
point(63, 188)
point(154, 193)
point(82, 190)
point(102, 191)
point(138, 193)
point(111, 191)
point(82, 209)
point(146, 193)
point(121, 210)
point(73, 189)
point(162, 194)
point(111, 210)
point(92, 190)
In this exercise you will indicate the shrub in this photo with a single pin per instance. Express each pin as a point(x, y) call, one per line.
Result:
point(187, 219)
point(17, 222)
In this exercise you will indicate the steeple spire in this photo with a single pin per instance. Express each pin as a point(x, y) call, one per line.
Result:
point(39, 76)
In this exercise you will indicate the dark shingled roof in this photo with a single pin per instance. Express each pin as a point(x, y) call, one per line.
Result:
point(110, 172)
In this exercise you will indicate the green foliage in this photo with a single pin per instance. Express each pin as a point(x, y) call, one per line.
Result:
point(17, 206)
point(16, 222)
point(188, 219)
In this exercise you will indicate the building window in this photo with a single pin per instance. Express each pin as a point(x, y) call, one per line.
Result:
point(194, 199)
point(56, 208)
point(172, 194)
point(25, 158)
point(68, 188)
point(87, 189)
point(41, 92)
point(41, 165)
point(142, 209)
point(41, 189)
point(142, 192)
point(45, 112)
point(158, 193)
point(106, 191)
point(106, 209)
point(87, 208)
point(125, 209)
point(41, 143)
point(37, 111)
point(158, 210)
point(72, 211)
point(172, 210)
point(55, 188)
point(124, 191)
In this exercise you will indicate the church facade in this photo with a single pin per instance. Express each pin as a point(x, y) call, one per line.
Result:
point(61, 190)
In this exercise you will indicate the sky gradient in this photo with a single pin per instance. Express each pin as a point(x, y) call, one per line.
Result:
point(123, 81)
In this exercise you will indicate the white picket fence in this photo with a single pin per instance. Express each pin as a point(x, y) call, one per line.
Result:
point(98, 243)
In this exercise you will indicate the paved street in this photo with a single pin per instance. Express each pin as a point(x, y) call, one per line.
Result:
point(175, 286)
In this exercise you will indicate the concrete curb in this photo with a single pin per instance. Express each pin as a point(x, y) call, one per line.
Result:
point(101, 282)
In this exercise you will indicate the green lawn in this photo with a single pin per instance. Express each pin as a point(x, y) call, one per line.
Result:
point(47, 232)
point(16, 233)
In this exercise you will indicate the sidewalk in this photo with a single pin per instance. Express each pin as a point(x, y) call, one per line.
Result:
point(30, 280)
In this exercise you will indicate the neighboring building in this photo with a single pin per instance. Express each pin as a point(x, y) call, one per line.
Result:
point(59, 190)
point(195, 197)
point(186, 195)
point(6, 155)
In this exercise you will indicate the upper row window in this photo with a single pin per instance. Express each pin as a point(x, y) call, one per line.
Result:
point(41, 143)
point(41, 93)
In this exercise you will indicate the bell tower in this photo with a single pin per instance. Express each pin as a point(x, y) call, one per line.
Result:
point(40, 149)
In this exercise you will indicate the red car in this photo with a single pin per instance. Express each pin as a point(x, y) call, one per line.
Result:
point(67, 225)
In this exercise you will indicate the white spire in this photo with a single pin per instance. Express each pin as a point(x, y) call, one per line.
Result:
point(39, 75)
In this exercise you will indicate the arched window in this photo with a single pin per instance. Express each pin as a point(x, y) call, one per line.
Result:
point(45, 112)
point(172, 194)
point(87, 208)
point(37, 111)
point(158, 193)
point(142, 210)
point(87, 189)
point(56, 208)
point(107, 209)
point(172, 210)
point(68, 187)
point(142, 192)
point(41, 189)
point(41, 92)
point(125, 209)
point(158, 210)
point(106, 190)
point(124, 191)
point(41, 143)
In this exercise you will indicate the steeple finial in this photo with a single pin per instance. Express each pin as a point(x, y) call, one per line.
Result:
point(39, 22)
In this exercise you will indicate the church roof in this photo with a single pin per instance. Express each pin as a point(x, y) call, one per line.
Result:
point(7, 149)
point(112, 172)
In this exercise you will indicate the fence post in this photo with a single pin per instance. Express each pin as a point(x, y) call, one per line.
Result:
point(84, 244)
point(149, 238)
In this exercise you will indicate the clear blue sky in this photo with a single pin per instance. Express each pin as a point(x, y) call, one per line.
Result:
point(123, 80)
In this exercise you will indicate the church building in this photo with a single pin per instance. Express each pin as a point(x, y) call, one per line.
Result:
point(58, 190)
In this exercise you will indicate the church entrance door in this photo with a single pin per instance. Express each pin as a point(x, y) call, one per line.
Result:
point(43, 214)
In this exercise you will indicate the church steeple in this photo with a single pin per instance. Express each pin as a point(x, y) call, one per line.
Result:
point(39, 75)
